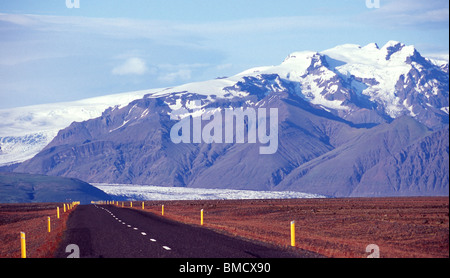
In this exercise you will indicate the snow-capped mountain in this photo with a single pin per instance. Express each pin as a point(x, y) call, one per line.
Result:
point(392, 81)
point(25, 131)
point(343, 113)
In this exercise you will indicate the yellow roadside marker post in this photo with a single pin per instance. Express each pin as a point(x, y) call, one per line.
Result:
point(162, 210)
point(64, 207)
point(131, 204)
point(57, 212)
point(142, 205)
point(49, 224)
point(201, 217)
point(23, 246)
point(292, 233)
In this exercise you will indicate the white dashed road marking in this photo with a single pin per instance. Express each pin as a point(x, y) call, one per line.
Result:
point(134, 228)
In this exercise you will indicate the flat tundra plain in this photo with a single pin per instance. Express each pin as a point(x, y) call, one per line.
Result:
point(401, 227)
point(32, 219)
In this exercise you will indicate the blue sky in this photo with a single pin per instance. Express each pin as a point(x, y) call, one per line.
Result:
point(49, 53)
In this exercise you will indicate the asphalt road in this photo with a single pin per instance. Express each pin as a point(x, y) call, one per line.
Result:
point(106, 231)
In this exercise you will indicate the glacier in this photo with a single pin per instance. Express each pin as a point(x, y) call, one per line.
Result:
point(132, 192)
point(25, 131)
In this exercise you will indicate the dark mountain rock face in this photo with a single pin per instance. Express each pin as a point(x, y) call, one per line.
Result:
point(354, 162)
point(317, 153)
point(358, 151)
point(420, 168)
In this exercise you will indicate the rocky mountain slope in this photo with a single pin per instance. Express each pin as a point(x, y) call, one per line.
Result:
point(352, 121)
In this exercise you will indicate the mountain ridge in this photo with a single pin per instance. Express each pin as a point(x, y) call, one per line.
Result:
point(338, 114)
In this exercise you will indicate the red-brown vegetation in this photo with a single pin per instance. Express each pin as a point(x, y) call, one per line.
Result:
point(32, 220)
point(401, 227)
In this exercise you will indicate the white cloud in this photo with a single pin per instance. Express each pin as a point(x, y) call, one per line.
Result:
point(119, 28)
point(262, 25)
point(224, 66)
point(132, 66)
point(181, 74)
point(412, 13)
point(24, 20)
point(170, 31)
point(443, 57)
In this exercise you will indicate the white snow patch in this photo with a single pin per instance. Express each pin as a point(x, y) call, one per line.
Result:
point(122, 125)
point(16, 149)
point(370, 62)
point(25, 131)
